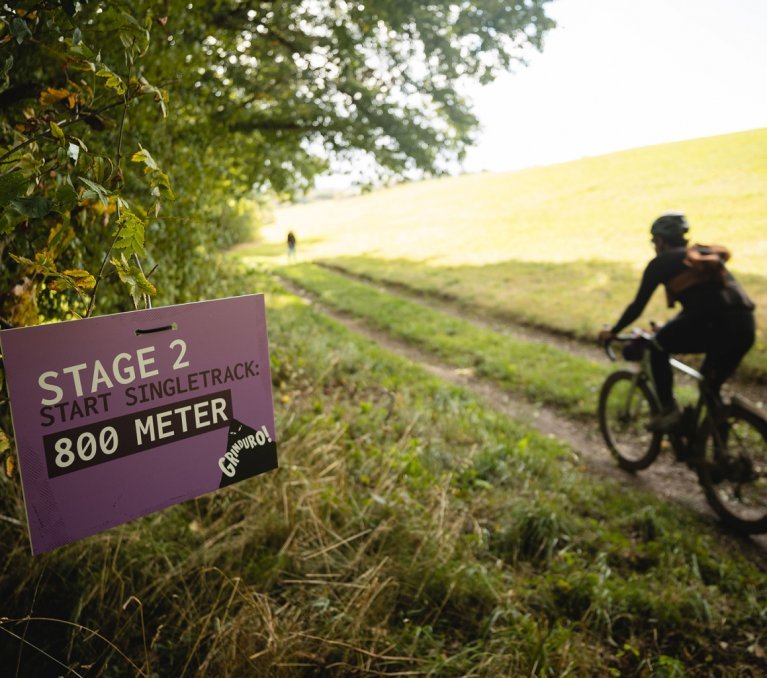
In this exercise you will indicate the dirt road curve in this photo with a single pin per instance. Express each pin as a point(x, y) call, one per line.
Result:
point(665, 478)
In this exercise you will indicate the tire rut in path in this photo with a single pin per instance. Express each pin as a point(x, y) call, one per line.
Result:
point(449, 305)
point(667, 479)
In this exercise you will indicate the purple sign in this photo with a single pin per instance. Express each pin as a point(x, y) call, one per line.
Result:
point(119, 416)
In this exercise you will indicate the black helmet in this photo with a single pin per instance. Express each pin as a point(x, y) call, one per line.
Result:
point(670, 225)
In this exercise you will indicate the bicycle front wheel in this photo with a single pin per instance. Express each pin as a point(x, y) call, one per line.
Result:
point(626, 405)
point(733, 469)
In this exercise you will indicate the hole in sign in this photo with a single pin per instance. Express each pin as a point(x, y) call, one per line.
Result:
point(152, 330)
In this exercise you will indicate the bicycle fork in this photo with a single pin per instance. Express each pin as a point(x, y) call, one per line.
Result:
point(633, 398)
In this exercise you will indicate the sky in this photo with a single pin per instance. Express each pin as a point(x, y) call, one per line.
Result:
point(618, 74)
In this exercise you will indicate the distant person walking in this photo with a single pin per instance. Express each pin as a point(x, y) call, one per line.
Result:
point(291, 246)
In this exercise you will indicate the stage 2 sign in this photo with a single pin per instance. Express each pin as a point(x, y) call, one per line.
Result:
point(122, 415)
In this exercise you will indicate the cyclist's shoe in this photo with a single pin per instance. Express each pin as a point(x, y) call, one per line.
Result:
point(667, 421)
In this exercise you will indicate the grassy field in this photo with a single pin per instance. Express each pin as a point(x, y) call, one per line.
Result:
point(591, 209)
point(411, 530)
point(408, 531)
point(559, 247)
point(572, 298)
point(541, 373)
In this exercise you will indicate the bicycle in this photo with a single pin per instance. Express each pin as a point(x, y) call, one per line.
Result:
point(724, 443)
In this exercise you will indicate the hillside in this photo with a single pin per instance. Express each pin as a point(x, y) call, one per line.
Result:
point(593, 208)
point(549, 246)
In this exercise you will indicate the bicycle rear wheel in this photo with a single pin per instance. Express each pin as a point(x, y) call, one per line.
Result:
point(733, 469)
point(626, 405)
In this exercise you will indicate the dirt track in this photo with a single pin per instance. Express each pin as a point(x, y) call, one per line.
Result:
point(665, 478)
point(755, 392)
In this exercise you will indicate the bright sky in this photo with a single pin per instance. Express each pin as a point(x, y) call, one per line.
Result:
point(619, 74)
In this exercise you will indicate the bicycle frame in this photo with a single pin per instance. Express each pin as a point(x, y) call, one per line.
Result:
point(697, 412)
point(724, 443)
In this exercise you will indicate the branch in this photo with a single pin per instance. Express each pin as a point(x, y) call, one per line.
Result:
point(99, 277)
point(80, 117)
point(281, 126)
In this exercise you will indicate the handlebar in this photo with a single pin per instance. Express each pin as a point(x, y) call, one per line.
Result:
point(624, 338)
point(609, 349)
point(641, 334)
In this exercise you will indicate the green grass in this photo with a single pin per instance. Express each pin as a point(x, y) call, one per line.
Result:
point(572, 298)
point(596, 208)
point(408, 529)
point(560, 247)
point(540, 373)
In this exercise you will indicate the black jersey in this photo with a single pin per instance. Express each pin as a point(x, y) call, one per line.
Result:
point(709, 296)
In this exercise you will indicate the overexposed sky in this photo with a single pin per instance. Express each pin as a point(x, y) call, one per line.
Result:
point(618, 74)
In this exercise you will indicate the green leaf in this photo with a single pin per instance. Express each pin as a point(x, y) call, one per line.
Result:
point(57, 132)
point(22, 260)
point(82, 50)
point(76, 279)
point(66, 198)
point(6, 224)
point(159, 182)
point(103, 168)
point(113, 81)
point(5, 80)
point(135, 280)
point(12, 185)
point(134, 37)
point(95, 190)
point(35, 207)
point(20, 30)
point(161, 185)
point(130, 236)
point(160, 95)
point(43, 264)
point(80, 278)
point(6, 66)
point(145, 156)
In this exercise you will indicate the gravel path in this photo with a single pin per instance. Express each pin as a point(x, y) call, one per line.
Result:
point(666, 478)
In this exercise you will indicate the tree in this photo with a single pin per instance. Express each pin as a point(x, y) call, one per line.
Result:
point(127, 129)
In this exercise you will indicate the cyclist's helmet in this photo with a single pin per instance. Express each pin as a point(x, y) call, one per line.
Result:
point(670, 225)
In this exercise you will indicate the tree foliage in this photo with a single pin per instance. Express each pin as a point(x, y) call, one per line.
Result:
point(129, 131)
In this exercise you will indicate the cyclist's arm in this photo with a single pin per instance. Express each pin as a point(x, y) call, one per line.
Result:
point(650, 280)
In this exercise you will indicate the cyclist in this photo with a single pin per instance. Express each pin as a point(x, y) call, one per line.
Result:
point(716, 318)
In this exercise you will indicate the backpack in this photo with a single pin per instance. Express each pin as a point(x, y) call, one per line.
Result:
point(706, 263)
